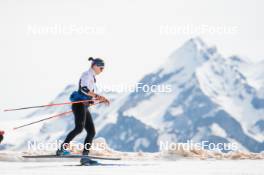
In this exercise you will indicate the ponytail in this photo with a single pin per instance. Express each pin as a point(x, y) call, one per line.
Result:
point(96, 61)
point(90, 59)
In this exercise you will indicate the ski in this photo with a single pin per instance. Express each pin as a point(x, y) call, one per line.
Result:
point(72, 156)
point(101, 164)
point(105, 164)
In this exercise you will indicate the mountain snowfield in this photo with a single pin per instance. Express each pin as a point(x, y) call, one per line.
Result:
point(213, 98)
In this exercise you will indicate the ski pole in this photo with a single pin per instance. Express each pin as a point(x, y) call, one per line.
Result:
point(48, 105)
point(54, 116)
point(57, 115)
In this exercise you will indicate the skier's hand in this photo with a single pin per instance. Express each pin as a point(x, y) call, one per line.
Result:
point(106, 101)
point(99, 98)
point(102, 99)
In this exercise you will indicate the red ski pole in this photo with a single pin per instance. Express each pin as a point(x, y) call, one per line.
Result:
point(48, 105)
point(54, 116)
point(57, 115)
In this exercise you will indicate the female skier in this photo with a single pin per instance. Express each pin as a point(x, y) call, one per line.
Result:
point(82, 115)
point(1, 135)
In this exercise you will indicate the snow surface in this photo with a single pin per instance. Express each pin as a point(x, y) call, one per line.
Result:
point(178, 161)
point(182, 167)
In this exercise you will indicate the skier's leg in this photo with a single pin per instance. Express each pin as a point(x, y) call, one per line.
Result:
point(79, 115)
point(90, 129)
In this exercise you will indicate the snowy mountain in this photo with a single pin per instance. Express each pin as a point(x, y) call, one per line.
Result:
point(213, 98)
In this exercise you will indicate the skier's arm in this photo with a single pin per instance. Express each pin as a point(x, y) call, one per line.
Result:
point(99, 97)
point(92, 94)
point(87, 84)
point(88, 92)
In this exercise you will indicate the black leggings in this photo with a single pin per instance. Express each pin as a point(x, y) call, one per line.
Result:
point(83, 119)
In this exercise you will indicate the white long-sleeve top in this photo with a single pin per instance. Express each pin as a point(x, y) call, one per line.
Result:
point(87, 81)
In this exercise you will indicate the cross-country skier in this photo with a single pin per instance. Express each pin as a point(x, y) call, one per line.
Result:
point(1, 135)
point(82, 115)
